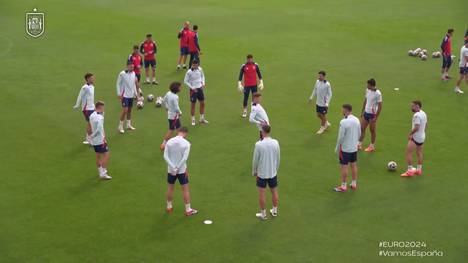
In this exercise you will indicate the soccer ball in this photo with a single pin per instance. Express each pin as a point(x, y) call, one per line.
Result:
point(150, 97)
point(411, 53)
point(423, 57)
point(140, 104)
point(454, 57)
point(424, 51)
point(436, 54)
point(417, 51)
point(159, 102)
point(392, 166)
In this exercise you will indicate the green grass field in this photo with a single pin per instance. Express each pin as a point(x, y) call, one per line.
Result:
point(54, 209)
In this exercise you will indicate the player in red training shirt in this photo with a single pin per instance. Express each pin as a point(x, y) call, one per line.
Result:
point(137, 61)
point(446, 47)
point(249, 72)
point(194, 47)
point(148, 48)
point(183, 36)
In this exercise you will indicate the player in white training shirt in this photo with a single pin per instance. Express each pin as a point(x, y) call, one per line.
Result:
point(258, 114)
point(265, 165)
point(416, 139)
point(98, 140)
point(176, 154)
point(463, 67)
point(86, 99)
point(127, 89)
point(323, 91)
point(171, 102)
point(347, 147)
point(371, 109)
point(195, 80)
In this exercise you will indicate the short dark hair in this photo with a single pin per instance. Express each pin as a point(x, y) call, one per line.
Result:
point(88, 75)
point(348, 107)
point(175, 86)
point(149, 35)
point(450, 30)
point(249, 56)
point(183, 129)
point(371, 82)
point(321, 72)
point(257, 94)
point(417, 102)
point(100, 104)
point(195, 27)
point(195, 61)
point(136, 47)
point(266, 128)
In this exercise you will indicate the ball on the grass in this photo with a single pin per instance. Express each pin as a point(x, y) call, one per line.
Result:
point(140, 104)
point(424, 57)
point(411, 52)
point(159, 102)
point(392, 166)
point(424, 51)
point(150, 97)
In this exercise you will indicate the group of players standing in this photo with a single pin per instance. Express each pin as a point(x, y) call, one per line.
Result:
point(446, 48)
point(266, 157)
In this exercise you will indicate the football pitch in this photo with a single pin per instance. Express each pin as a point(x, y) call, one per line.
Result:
point(55, 209)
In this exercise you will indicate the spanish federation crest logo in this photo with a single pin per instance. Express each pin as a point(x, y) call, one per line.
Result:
point(35, 23)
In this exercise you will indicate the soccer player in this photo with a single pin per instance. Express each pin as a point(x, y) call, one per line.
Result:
point(416, 139)
point(346, 147)
point(463, 67)
point(127, 89)
point(371, 109)
point(135, 57)
point(249, 72)
point(195, 80)
point(183, 44)
point(149, 49)
point(98, 140)
point(86, 99)
point(193, 46)
point(324, 94)
point(176, 154)
point(446, 47)
point(171, 101)
point(258, 114)
point(265, 164)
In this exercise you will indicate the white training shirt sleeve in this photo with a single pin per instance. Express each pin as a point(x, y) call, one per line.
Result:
point(184, 157)
point(253, 115)
point(187, 79)
point(314, 91)
point(279, 156)
point(255, 159)
point(341, 135)
point(202, 76)
point(80, 97)
point(330, 94)
point(168, 161)
point(119, 85)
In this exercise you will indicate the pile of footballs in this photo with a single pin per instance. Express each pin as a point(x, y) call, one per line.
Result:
point(422, 53)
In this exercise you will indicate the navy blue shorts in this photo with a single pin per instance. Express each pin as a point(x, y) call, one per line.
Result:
point(463, 70)
point(197, 94)
point(138, 75)
point(184, 51)
point(346, 158)
point(321, 110)
point(417, 143)
point(151, 63)
point(446, 61)
point(272, 182)
point(87, 113)
point(368, 116)
point(127, 102)
point(174, 124)
point(102, 148)
point(183, 178)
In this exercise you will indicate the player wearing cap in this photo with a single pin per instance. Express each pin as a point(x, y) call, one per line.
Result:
point(265, 165)
point(371, 109)
point(346, 147)
point(127, 89)
point(258, 114)
point(463, 67)
point(176, 155)
point(195, 80)
point(323, 91)
point(171, 102)
point(446, 47)
point(149, 49)
point(249, 72)
point(86, 99)
point(98, 140)
point(416, 139)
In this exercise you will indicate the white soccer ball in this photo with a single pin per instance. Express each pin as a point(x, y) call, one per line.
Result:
point(424, 51)
point(453, 57)
point(140, 104)
point(417, 51)
point(423, 57)
point(411, 52)
point(392, 166)
point(159, 102)
point(436, 54)
point(150, 97)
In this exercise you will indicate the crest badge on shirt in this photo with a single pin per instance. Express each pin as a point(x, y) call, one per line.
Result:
point(35, 23)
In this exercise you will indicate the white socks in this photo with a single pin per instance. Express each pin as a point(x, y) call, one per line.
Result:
point(410, 167)
point(129, 123)
point(187, 207)
point(120, 125)
point(202, 116)
point(169, 204)
point(102, 171)
point(343, 184)
point(354, 182)
point(419, 166)
point(274, 209)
